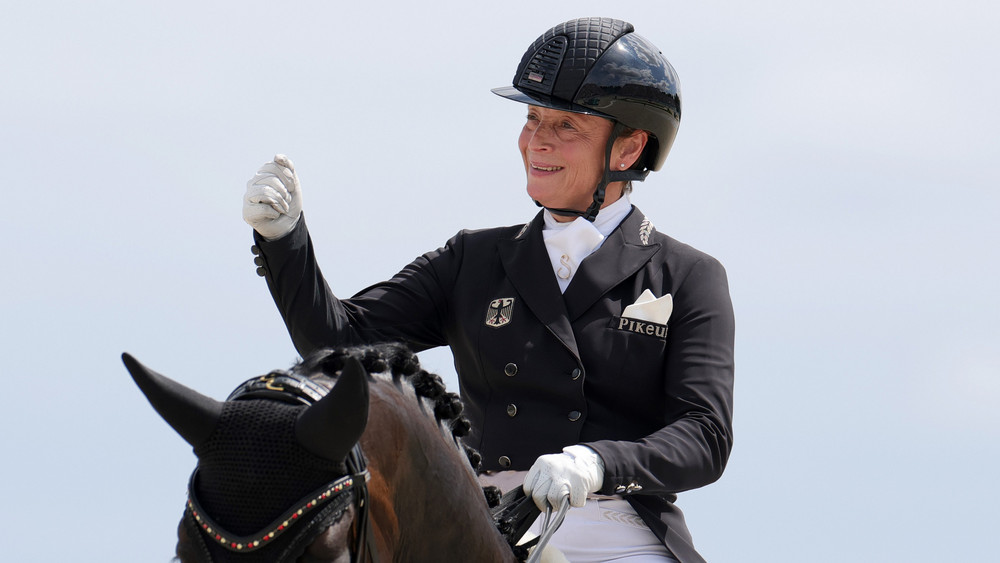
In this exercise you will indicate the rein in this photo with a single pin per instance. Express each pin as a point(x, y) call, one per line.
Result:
point(334, 497)
point(516, 512)
point(549, 527)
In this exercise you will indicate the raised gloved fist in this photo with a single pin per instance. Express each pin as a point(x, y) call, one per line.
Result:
point(273, 201)
point(573, 473)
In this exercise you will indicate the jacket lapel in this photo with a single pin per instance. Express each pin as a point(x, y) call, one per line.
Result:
point(528, 268)
point(623, 253)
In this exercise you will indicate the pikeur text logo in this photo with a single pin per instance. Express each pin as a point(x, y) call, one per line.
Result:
point(640, 327)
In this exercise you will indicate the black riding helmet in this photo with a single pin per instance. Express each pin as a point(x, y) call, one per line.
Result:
point(598, 66)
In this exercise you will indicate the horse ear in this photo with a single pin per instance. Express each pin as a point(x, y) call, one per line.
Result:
point(190, 413)
point(332, 426)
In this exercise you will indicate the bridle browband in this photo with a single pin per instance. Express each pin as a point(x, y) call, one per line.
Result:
point(280, 386)
point(329, 493)
point(325, 504)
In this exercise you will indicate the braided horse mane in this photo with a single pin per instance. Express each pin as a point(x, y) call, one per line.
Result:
point(398, 364)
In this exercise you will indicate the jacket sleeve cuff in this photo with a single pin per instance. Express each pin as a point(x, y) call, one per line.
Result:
point(615, 481)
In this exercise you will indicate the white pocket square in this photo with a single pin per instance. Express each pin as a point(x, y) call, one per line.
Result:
point(650, 308)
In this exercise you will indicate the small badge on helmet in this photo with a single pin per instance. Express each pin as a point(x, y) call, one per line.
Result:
point(499, 312)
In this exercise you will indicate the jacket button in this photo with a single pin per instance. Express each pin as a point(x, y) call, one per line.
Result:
point(261, 272)
point(575, 374)
point(504, 461)
point(511, 409)
point(633, 487)
point(510, 369)
point(574, 415)
point(255, 249)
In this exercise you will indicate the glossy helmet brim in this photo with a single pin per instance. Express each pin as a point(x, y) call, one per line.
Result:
point(542, 100)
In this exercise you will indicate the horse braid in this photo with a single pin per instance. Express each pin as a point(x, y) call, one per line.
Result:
point(401, 360)
point(374, 360)
point(493, 496)
point(475, 458)
point(460, 427)
point(428, 384)
point(447, 406)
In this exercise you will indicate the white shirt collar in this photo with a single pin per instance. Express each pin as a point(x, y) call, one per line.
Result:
point(570, 242)
point(607, 220)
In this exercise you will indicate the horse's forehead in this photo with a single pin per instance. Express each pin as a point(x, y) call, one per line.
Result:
point(250, 415)
point(258, 434)
point(252, 424)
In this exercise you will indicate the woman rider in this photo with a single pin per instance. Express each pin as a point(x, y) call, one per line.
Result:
point(594, 353)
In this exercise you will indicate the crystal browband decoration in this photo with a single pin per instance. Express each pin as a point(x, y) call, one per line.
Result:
point(261, 539)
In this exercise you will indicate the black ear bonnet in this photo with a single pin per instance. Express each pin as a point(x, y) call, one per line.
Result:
point(253, 463)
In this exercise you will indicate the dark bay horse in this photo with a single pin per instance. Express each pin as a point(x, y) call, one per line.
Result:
point(351, 456)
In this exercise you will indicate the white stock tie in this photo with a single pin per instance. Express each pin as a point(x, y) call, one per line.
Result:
point(568, 246)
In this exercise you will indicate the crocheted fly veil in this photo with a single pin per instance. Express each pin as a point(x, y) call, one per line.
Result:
point(252, 465)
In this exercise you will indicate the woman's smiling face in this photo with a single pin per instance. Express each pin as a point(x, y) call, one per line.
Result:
point(563, 156)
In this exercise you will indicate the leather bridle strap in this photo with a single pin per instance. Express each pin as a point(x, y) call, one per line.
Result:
point(281, 386)
point(364, 542)
point(333, 492)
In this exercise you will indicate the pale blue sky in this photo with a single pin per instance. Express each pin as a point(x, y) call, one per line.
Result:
point(839, 158)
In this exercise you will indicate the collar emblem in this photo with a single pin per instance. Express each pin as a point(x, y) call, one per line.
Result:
point(645, 229)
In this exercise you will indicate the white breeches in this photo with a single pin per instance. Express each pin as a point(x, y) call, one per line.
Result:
point(606, 529)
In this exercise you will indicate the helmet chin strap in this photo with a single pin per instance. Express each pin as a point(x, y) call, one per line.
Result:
point(608, 177)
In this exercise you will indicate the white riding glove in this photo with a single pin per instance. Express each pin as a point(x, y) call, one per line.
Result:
point(573, 473)
point(273, 202)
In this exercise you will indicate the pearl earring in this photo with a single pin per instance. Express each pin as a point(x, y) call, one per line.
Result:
point(622, 165)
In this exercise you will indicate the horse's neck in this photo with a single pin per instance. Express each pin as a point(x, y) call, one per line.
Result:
point(433, 503)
